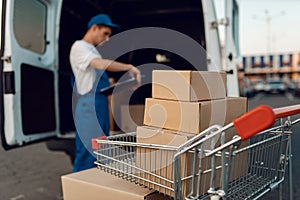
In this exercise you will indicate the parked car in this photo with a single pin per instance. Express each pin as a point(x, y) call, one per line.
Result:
point(246, 88)
point(275, 86)
point(291, 86)
point(294, 89)
point(259, 86)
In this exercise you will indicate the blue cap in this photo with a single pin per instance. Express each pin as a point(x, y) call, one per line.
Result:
point(102, 19)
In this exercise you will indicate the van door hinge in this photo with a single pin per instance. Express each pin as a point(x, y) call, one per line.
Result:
point(215, 24)
point(6, 59)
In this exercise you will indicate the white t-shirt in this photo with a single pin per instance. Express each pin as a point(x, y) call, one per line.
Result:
point(81, 55)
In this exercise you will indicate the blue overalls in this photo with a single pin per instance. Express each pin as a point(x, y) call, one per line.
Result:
point(91, 119)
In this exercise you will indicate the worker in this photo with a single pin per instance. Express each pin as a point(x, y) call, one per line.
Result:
point(91, 114)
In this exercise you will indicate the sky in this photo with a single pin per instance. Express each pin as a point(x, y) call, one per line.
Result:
point(283, 35)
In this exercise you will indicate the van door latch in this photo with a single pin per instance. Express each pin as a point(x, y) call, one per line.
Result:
point(215, 24)
point(6, 59)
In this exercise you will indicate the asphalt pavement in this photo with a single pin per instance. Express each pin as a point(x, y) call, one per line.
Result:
point(33, 172)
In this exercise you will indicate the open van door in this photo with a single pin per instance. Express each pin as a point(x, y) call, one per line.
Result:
point(28, 100)
point(232, 52)
point(231, 45)
point(213, 44)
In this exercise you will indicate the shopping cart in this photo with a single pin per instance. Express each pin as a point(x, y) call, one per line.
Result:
point(209, 165)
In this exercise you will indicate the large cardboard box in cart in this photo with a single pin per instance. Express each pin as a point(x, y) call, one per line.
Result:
point(160, 162)
point(192, 117)
point(188, 85)
point(94, 184)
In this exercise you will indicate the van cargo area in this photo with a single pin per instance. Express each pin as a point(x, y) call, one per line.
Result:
point(183, 16)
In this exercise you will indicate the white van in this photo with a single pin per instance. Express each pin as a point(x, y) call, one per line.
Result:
point(36, 35)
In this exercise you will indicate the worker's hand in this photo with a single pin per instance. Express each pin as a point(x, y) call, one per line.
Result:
point(136, 73)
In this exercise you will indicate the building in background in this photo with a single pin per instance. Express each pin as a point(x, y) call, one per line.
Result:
point(280, 66)
point(258, 72)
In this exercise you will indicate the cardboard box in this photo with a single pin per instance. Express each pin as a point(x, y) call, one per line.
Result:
point(131, 117)
point(160, 161)
point(117, 100)
point(94, 184)
point(188, 85)
point(192, 117)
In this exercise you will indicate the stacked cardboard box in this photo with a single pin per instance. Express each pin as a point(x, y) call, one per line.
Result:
point(131, 117)
point(183, 104)
point(94, 184)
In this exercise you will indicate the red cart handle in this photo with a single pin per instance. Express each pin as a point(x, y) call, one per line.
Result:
point(261, 118)
point(95, 145)
point(286, 111)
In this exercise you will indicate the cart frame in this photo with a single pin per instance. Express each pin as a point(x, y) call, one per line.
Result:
point(247, 166)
